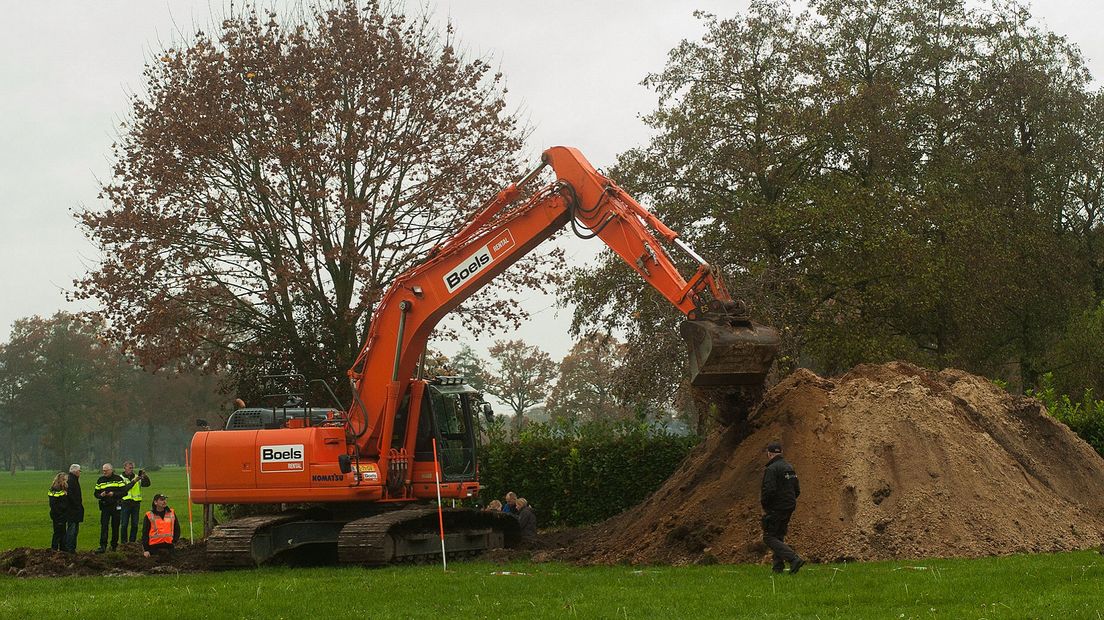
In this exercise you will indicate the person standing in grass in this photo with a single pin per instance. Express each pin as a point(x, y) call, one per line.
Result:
point(132, 501)
point(779, 498)
point(74, 510)
point(160, 528)
point(110, 489)
point(59, 503)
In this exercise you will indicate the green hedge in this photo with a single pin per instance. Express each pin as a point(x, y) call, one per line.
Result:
point(1084, 417)
point(577, 474)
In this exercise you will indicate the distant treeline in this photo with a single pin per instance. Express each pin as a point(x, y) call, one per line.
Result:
point(67, 396)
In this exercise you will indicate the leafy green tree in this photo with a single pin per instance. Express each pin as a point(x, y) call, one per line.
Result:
point(886, 179)
point(59, 367)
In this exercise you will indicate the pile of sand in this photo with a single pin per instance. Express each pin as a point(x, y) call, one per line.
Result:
point(895, 461)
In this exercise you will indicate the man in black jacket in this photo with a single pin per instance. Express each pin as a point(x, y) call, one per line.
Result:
point(110, 489)
point(74, 510)
point(779, 498)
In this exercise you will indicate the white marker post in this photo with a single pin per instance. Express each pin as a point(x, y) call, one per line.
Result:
point(188, 476)
point(440, 510)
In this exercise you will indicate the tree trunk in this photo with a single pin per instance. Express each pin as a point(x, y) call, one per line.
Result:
point(151, 443)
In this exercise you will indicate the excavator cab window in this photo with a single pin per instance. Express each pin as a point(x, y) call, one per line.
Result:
point(453, 426)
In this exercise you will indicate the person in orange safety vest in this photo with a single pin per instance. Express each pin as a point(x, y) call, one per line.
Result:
point(160, 528)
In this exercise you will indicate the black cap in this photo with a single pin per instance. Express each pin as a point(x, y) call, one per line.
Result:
point(774, 447)
point(160, 496)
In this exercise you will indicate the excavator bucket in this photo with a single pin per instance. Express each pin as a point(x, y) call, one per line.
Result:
point(734, 353)
point(729, 362)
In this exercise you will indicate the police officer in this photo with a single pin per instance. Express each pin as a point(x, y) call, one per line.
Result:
point(160, 528)
point(779, 498)
point(110, 489)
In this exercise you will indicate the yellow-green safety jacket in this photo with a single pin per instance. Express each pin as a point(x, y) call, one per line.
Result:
point(135, 492)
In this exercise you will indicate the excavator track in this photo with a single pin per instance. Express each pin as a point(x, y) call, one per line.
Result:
point(232, 544)
point(405, 535)
point(413, 535)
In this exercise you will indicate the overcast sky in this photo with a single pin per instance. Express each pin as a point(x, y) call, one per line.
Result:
point(573, 68)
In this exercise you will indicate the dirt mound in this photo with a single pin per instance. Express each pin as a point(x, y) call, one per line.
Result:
point(894, 461)
point(128, 560)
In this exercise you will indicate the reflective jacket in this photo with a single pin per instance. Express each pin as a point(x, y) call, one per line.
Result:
point(110, 490)
point(135, 492)
point(160, 531)
point(59, 504)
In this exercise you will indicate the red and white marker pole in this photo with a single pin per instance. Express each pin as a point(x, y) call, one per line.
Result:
point(440, 510)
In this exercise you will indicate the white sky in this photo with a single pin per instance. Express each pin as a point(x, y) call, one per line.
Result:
point(572, 66)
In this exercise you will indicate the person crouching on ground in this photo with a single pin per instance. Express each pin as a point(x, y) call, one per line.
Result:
point(160, 528)
point(527, 520)
point(511, 503)
point(59, 505)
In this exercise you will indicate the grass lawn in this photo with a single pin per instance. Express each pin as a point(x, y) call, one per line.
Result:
point(25, 512)
point(1067, 585)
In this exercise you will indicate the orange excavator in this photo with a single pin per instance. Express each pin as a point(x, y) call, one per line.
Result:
point(365, 474)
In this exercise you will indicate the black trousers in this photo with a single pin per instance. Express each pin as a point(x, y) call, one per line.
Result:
point(130, 520)
point(58, 541)
point(109, 516)
point(775, 524)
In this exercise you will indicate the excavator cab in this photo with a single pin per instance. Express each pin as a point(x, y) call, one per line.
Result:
point(449, 410)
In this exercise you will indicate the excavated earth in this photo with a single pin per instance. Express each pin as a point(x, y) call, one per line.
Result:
point(895, 461)
point(127, 560)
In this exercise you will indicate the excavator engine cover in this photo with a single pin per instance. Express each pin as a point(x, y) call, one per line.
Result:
point(729, 353)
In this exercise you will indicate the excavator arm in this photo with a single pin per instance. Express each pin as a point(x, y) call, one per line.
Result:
point(726, 348)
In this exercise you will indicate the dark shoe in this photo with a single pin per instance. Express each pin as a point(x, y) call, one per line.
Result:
point(778, 568)
point(100, 550)
point(796, 565)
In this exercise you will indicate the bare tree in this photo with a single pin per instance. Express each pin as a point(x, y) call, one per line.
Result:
point(272, 180)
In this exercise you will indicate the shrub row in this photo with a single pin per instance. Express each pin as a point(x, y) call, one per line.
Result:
point(577, 474)
point(1084, 417)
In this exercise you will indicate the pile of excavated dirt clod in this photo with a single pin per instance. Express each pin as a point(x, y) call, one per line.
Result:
point(127, 560)
point(895, 461)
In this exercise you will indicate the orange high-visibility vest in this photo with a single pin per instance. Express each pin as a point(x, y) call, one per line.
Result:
point(161, 530)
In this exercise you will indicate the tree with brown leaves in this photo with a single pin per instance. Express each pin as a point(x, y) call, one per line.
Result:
point(274, 178)
point(521, 376)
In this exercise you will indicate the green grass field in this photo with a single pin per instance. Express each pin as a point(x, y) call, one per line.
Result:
point(25, 513)
point(1068, 585)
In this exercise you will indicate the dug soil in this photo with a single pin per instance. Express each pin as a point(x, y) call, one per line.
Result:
point(127, 560)
point(895, 461)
